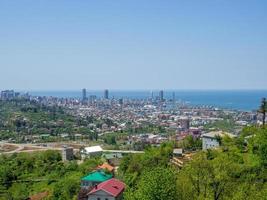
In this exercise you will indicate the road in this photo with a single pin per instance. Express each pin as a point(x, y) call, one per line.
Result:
point(28, 148)
point(121, 151)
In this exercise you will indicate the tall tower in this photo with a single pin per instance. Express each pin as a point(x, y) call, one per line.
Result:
point(161, 95)
point(173, 100)
point(106, 94)
point(84, 94)
point(173, 96)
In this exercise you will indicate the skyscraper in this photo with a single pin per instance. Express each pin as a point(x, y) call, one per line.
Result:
point(92, 99)
point(121, 101)
point(84, 94)
point(7, 94)
point(106, 94)
point(161, 95)
point(173, 100)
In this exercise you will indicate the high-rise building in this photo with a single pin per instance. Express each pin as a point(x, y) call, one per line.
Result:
point(106, 94)
point(92, 99)
point(7, 94)
point(17, 94)
point(121, 101)
point(161, 95)
point(84, 94)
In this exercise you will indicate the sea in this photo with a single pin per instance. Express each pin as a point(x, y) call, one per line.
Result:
point(244, 100)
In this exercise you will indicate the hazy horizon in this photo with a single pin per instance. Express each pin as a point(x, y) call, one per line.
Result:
point(132, 90)
point(133, 45)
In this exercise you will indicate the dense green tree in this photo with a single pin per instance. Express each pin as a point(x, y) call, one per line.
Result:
point(22, 175)
point(67, 188)
point(155, 184)
point(215, 173)
point(190, 143)
point(19, 191)
point(110, 139)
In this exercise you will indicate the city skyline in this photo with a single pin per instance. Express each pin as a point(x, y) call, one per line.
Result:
point(124, 45)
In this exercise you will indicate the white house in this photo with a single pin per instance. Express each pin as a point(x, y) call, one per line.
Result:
point(210, 140)
point(92, 151)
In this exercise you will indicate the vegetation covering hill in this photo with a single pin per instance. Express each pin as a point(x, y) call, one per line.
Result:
point(22, 175)
point(238, 170)
point(19, 118)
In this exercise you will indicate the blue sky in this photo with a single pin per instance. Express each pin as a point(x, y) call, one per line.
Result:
point(133, 44)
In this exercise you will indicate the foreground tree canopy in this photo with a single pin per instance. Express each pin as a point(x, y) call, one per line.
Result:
point(23, 175)
point(238, 170)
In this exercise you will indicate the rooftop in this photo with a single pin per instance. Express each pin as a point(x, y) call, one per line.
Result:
point(97, 176)
point(113, 187)
point(178, 151)
point(93, 149)
point(106, 166)
point(213, 134)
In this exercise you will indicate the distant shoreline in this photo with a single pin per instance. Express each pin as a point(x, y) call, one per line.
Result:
point(245, 100)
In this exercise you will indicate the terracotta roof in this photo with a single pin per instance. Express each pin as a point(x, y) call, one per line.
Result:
point(113, 186)
point(106, 166)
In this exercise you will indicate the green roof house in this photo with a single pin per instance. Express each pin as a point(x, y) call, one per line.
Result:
point(95, 178)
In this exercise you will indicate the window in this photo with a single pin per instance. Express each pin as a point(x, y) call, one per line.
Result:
point(98, 198)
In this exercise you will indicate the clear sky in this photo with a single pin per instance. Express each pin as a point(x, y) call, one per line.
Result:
point(133, 44)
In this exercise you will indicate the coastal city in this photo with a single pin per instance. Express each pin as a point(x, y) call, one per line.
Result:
point(153, 120)
point(133, 100)
point(92, 127)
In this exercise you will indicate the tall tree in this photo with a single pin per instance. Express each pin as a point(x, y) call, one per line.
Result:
point(263, 110)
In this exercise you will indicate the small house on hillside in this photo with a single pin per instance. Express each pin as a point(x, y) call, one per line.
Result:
point(95, 178)
point(108, 190)
point(92, 151)
point(212, 139)
point(178, 152)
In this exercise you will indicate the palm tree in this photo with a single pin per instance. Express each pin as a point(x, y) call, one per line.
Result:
point(263, 110)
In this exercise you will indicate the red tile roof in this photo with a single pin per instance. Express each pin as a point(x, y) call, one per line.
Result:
point(106, 166)
point(113, 186)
